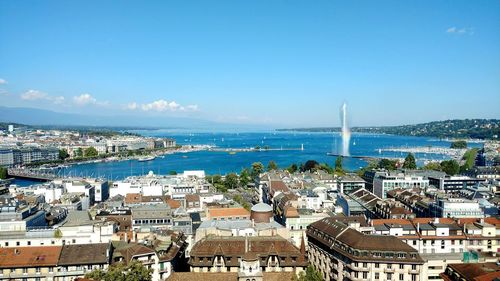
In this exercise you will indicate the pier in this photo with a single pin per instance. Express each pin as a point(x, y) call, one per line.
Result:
point(367, 158)
point(220, 149)
point(32, 174)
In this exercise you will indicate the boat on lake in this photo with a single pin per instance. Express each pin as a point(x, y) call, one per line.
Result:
point(144, 159)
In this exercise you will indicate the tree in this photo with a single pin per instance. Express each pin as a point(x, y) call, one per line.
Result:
point(310, 165)
point(410, 162)
point(450, 167)
point(459, 144)
point(257, 169)
point(435, 166)
point(63, 154)
point(90, 152)
point(325, 167)
point(338, 165)
point(272, 166)
point(78, 152)
point(470, 159)
point(292, 168)
point(244, 177)
point(217, 182)
point(135, 271)
point(231, 181)
point(311, 274)
point(387, 164)
point(3, 173)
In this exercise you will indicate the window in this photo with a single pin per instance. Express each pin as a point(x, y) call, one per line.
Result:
point(25, 270)
point(377, 275)
point(377, 265)
point(389, 276)
point(413, 277)
point(365, 275)
point(413, 267)
point(401, 276)
point(401, 266)
point(18, 243)
point(37, 270)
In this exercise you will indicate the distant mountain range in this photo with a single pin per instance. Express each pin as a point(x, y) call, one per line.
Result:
point(41, 117)
point(468, 128)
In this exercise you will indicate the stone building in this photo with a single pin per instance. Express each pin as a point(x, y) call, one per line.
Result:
point(342, 253)
point(224, 254)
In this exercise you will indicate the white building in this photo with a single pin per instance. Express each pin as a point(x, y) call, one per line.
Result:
point(456, 208)
point(387, 182)
point(76, 229)
point(177, 186)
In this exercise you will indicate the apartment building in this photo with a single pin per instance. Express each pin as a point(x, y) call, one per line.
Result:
point(342, 253)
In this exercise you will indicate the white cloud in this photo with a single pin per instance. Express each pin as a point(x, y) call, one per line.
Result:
point(84, 99)
point(87, 99)
point(34, 95)
point(58, 100)
point(460, 31)
point(191, 107)
point(132, 106)
point(161, 105)
point(3, 81)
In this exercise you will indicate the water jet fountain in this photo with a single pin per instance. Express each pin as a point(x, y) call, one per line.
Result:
point(345, 133)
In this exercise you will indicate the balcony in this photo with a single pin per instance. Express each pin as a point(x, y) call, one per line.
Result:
point(389, 270)
point(413, 271)
point(358, 268)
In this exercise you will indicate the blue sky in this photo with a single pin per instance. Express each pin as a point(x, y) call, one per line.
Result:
point(279, 63)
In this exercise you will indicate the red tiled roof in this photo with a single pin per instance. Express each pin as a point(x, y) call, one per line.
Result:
point(133, 198)
point(174, 204)
point(227, 212)
point(32, 256)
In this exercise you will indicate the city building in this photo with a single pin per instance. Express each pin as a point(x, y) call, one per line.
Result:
point(472, 272)
point(349, 182)
point(341, 253)
point(454, 183)
point(456, 208)
point(225, 214)
point(223, 254)
point(389, 181)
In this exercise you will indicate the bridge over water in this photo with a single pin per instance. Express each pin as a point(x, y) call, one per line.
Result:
point(32, 174)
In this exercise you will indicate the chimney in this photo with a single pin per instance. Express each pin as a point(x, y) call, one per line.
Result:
point(246, 243)
point(302, 245)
